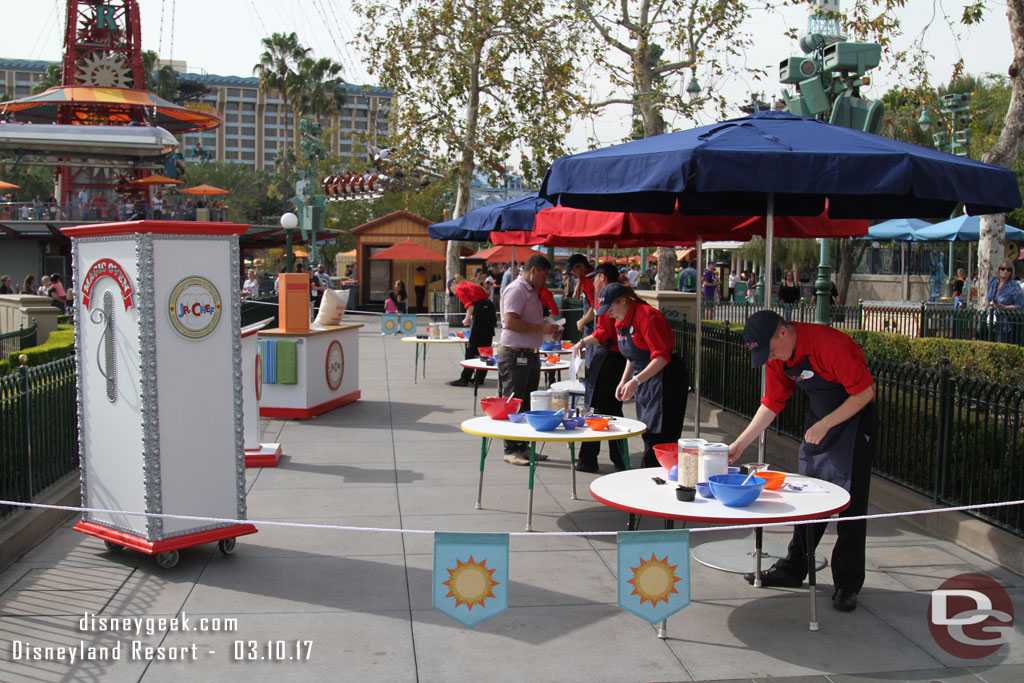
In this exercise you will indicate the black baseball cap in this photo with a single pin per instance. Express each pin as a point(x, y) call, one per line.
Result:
point(451, 281)
point(606, 269)
point(578, 259)
point(758, 333)
point(608, 295)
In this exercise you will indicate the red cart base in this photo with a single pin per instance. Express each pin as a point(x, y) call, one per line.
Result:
point(266, 455)
point(166, 551)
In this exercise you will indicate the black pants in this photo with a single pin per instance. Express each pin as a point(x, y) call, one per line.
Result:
point(673, 410)
point(605, 403)
point(481, 333)
point(851, 537)
point(520, 375)
point(421, 296)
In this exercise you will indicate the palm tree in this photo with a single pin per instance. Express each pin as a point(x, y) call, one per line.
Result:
point(278, 68)
point(321, 92)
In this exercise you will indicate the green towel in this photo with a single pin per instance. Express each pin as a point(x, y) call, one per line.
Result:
point(287, 364)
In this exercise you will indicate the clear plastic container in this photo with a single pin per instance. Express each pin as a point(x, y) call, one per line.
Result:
point(559, 400)
point(540, 400)
point(689, 457)
point(714, 459)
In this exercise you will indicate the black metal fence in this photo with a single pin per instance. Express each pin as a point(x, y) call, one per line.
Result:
point(959, 441)
point(16, 340)
point(920, 320)
point(38, 428)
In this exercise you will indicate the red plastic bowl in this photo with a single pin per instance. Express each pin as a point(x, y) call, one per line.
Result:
point(485, 351)
point(667, 454)
point(498, 408)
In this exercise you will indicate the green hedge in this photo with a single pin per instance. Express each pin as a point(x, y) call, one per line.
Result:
point(60, 344)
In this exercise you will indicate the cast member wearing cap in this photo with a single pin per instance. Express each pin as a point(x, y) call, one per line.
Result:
point(603, 374)
point(838, 442)
point(522, 333)
point(654, 372)
point(580, 269)
point(480, 319)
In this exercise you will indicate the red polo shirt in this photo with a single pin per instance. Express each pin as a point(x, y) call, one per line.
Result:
point(833, 355)
point(605, 330)
point(469, 293)
point(649, 330)
point(548, 300)
point(587, 288)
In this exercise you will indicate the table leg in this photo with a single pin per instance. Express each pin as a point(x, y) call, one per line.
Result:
point(631, 522)
point(475, 388)
point(416, 363)
point(624, 451)
point(533, 466)
point(663, 626)
point(811, 579)
point(758, 544)
point(572, 466)
point(483, 458)
point(425, 360)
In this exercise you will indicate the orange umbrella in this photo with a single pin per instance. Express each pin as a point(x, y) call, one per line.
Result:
point(300, 253)
point(8, 186)
point(504, 254)
point(407, 251)
point(155, 179)
point(204, 189)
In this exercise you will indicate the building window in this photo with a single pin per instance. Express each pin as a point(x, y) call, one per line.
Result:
point(246, 130)
point(270, 120)
point(248, 118)
point(249, 92)
point(231, 130)
point(231, 118)
point(248, 156)
point(268, 167)
point(271, 108)
point(230, 155)
point(360, 124)
point(270, 144)
point(231, 105)
point(248, 106)
point(249, 144)
point(234, 92)
point(22, 91)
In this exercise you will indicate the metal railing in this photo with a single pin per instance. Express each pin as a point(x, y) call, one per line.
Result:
point(39, 427)
point(16, 340)
point(106, 211)
point(959, 441)
point(913, 320)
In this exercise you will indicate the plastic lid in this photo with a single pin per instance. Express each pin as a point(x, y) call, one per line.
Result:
point(714, 447)
point(539, 393)
point(692, 443)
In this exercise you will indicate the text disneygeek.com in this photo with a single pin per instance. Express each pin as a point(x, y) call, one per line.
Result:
point(138, 650)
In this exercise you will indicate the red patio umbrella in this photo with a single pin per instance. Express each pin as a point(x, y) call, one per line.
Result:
point(204, 189)
point(407, 251)
point(156, 179)
point(505, 254)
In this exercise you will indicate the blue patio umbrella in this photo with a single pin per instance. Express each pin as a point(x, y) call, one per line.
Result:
point(731, 168)
point(517, 213)
point(961, 229)
point(897, 230)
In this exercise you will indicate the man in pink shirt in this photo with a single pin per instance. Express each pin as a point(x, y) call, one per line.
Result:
point(522, 332)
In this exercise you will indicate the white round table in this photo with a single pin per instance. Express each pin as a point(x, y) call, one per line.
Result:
point(427, 342)
point(477, 364)
point(636, 493)
point(488, 429)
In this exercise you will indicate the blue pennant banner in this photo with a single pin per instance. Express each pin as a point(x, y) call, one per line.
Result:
point(408, 324)
point(470, 575)
point(389, 323)
point(654, 572)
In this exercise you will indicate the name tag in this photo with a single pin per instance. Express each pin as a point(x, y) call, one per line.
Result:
point(521, 360)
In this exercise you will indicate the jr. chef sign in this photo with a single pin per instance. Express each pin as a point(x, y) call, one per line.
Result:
point(194, 307)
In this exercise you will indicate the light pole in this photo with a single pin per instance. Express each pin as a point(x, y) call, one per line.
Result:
point(955, 112)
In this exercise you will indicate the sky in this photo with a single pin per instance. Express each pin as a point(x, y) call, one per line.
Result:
point(223, 37)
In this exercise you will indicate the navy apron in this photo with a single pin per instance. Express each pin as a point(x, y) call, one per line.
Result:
point(649, 395)
point(596, 355)
point(832, 459)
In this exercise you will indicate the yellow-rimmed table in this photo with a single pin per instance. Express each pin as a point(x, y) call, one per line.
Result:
point(635, 492)
point(488, 429)
point(425, 343)
point(477, 364)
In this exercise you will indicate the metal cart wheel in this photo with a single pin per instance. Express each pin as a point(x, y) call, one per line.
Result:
point(167, 559)
point(113, 547)
point(226, 545)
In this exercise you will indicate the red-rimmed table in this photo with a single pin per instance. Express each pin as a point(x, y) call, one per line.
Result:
point(635, 492)
point(620, 428)
point(477, 364)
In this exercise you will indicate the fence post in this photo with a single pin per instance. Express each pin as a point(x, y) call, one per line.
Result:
point(945, 431)
point(725, 365)
point(923, 326)
point(26, 430)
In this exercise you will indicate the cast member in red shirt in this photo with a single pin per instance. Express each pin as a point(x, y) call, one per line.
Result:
point(547, 300)
point(480, 319)
point(654, 372)
point(838, 442)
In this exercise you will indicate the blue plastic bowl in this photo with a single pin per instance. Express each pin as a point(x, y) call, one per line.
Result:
point(729, 489)
point(734, 470)
point(550, 346)
point(569, 423)
point(516, 417)
point(543, 420)
point(703, 489)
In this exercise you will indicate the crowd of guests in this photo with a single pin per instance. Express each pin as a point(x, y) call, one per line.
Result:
point(99, 207)
point(51, 286)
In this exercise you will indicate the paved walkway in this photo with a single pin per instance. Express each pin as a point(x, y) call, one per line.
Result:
point(396, 459)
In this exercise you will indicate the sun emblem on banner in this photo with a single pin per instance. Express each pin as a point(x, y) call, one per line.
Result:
point(390, 325)
point(470, 583)
point(654, 580)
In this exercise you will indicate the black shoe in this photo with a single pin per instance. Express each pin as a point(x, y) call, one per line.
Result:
point(776, 577)
point(459, 383)
point(586, 467)
point(844, 600)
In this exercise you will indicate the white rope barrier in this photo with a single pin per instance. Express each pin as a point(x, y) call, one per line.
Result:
point(338, 527)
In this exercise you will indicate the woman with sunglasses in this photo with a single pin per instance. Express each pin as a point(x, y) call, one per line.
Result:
point(1004, 294)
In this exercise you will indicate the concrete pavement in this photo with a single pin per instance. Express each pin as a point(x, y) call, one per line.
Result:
point(356, 605)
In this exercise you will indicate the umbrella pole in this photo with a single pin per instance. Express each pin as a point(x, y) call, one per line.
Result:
point(697, 337)
point(970, 268)
point(906, 275)
point(767, 278)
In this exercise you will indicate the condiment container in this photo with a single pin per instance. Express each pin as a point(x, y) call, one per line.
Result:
point(689, 457)
point(714, 459)
point(540, 400)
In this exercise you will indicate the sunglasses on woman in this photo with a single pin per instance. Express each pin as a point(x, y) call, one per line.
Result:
point(1004, 268)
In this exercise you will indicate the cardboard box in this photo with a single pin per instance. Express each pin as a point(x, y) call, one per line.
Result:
point(293, 301)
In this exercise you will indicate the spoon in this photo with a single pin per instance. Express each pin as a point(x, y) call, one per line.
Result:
point(749, 477)
point(510, 397)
